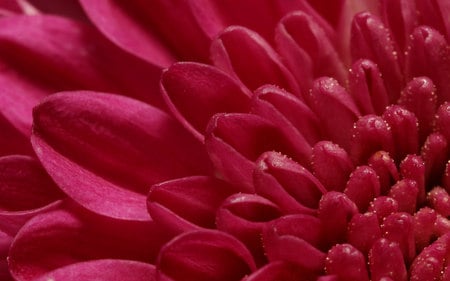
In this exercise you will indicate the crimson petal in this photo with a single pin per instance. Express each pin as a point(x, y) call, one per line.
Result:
point(386, 261)
point(382, 163)
point(363, 231)
point(278, 270)
point(84, 138)
point(347, 263)
point(103, 270)
point(362, 187)
point(206, 255)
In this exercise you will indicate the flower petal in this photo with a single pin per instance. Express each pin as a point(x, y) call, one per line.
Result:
point(363, 231)
point(63, 237)
point(103, 270)
point(278, 270)
point(347, 263)
point(386, 169)
point(104, 150)
point(424, 227)
point(399, 227)
point(192, 200)
point(405, 192)
point(247, 56)
point(383, 206)
point(386, 260)
point(434, 154)
point(195, 92)
point(362, 187)
point(204, 255)
point(400, 16)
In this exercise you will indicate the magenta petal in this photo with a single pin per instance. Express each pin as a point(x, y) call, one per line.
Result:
point(278, 270)
point(286, 183)
point(370, 134)
point(429, 264)
point(386, 261)
point(383, 206)
point(434, 13)
point(234, 141)
point(424, 224)
point(404, 129)
point(362, 187)
point(413, 167)
point(193, 200)
point(243, 53)
point(419, 97)
point(244, 216)
point(367, 87)
point(289, 113)
point(434, 154)
point(195, 92)
point(399, 227)
point(204, 256)
point(386, 169)
point(370, 39)
point(400, 16)
point(405, 192)
point(59, 238)
point(442, 120)
point(347, 263)
point(104, 150)
point(331, 165)
point(335, 212)
point(363, 231)
point(428, 55)
point(293, 239)
point(103, 270)
point(440, 201)
point(328, 98)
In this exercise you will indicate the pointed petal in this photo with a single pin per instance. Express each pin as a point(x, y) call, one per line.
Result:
point(331, 165)
point(386, 260)
point(428, 54)
point(245, 55)
point(347, 263)
point(367, 87)
point(59, 238)
point(104, 150)
point(286, 183)
point(419, 97)
point(195, 92)
point(371, 40)
point(204, 255)
point(103, 270)
point(193, 200)
point(327, 98)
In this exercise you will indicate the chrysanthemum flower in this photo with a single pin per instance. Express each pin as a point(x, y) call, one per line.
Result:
point(225, 140)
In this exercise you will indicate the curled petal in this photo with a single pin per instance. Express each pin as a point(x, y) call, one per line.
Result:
point(104, 150)
point(103, 270)
point(440, 201)
point(369, 135)
point(399, 227)
point(419, 97)
point(434, 154)
point(347, 263)
point(424, 227)
point(244, 54)
point(62, 237)
point(244, 216)
point(434, 13)
point(413, 167)
point(327, 98)
point(367, 87)
point(382, 163)
point(286, 183)
point(363, 231)
point(335, 212)
point(204, 255)
point(288, 112)
point(372, 40)
point(386, 261)
point(383, 206)
point(176, 204)
point(405, 193)
point(428, 54)
point(331, 165)
point(362, 187)
point(234, 141)
point(195, 92)
point(307, 50)
point(404, 129)
point(401, 18)
point(294, 241)
point(429, 264)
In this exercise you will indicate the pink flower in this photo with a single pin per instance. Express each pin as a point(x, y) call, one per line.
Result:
point(210, 140)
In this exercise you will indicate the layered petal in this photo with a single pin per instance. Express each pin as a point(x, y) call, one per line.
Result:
point(105, 150)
